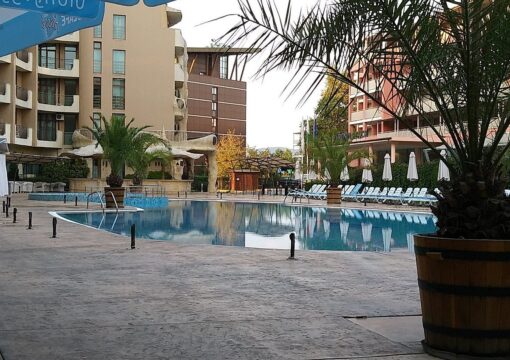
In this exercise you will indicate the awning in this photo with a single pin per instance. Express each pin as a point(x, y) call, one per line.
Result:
point(89, 151)
point(28, 23)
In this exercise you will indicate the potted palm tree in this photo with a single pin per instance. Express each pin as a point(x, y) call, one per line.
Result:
point(117, 139)
point(448, 63)
point(145, 151)
point(332, 151)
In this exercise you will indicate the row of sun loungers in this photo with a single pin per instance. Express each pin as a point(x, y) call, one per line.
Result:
point(28, 187)
point(412, 196)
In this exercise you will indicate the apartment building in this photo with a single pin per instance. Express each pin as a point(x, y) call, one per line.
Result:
point(133, 65)
point(376, 130)
point(217, 92)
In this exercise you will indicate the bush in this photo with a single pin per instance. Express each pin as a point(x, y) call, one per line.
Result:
point(62, 171)
point(196, 185)
point(158, 175)
point(427, 176)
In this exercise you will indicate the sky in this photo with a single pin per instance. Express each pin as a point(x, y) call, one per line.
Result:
point(272, 119)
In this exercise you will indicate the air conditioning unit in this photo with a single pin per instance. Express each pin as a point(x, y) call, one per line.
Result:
point(60, 117)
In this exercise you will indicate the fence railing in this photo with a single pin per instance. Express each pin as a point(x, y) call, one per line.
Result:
point(21, 132)
point(21, 93)
point(57, 64)
point(22, 55)
point(2, 129)
point(3, 88)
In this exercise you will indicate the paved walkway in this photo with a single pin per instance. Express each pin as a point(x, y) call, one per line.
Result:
point(85, 295)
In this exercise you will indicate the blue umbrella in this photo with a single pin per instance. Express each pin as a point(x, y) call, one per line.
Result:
point(22, 27)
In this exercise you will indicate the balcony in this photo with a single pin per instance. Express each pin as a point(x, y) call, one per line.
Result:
point(64, 69)
point(5, 93)
point(57, 143)
point(70, 38)
point(179, 108)
point(179, 76)
point(5, 131)
point(23, 136)
point(365, 115)
point(23, 98)
point(6, 59)
point(180, 43)
point(71, 103)
point(173, 16)
point(24, 61)
point(118, 103)
point(372, 86)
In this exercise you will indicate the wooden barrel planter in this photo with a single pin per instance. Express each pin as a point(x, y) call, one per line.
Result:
point(465, 296)
point(119, 197)
point(334, 195)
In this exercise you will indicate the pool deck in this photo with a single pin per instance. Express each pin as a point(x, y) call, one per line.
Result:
point(85, 295)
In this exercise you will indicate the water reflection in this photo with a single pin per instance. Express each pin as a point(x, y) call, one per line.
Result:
point(268, 226)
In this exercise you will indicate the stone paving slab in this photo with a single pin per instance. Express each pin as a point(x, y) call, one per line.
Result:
point(84, 295)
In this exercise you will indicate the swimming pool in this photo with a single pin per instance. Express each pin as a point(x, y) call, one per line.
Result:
point(262, 225)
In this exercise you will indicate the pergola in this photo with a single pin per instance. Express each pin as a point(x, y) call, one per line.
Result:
point(265, 165)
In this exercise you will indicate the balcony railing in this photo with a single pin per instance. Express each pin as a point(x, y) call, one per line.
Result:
point(21, 132)
point(57, 64)
point(23, 55)
point(118, 102)
point(68, 138)
point(2, 129)
point(21, 93)
point(50, 98)
point(68, 100)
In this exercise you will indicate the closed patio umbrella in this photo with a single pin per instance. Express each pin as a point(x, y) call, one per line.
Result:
point(366, 176)
point(386, 236)
point(387, 176)
point(344, 176)
point(4, 182)
point(410, 243)
point(366, 232)
point(444, 172)
point(412, 171)
point(344, 230)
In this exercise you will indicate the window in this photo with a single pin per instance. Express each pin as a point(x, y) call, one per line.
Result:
point(214, 92)
point(224, 67)
point(70, 121)
point(214, 106)
point(48, 56)
point(97, 93)
point(118, 94)
point(48, 91)
point(70, 89)
point(119, 62)
point(46, 127)
point(98, 31)
point(97, 57)
point(119, 116)
point(70, 53)
point(96, 118)
point(119, 27)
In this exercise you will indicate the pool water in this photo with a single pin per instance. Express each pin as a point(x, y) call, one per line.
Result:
point(266, 225)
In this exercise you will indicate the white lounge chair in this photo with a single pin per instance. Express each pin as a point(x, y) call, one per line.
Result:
point(28, 187)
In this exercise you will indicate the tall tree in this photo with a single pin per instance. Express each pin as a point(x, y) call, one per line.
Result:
point(230, 149)
point(332, 109)
point(428, 57)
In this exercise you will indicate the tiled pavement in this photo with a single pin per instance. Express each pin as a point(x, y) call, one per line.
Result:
point(84, 295)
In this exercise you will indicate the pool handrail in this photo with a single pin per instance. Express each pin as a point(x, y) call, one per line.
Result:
point(100, 198)
point(114, 200)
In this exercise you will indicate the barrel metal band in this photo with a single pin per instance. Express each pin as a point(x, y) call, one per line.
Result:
point(464, 290)
point(464, 255)
point(467, 333)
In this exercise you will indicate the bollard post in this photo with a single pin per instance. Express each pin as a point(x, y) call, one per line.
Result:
point(14, 213)
point(258, 196)
point(221, 196)
point(30, 220)
point(3, 207)
point(185, 194)
point(54, 228)
point(7, 211)
point(201, 187)
point(292, 237)
point(178, 194)
point(76, 201)
point(133, 236)
point(8, 201)
point(65, 199)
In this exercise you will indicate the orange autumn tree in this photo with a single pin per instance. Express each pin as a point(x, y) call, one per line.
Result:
point(230, 148)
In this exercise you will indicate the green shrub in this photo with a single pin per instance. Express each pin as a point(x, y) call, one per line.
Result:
point(63, 170)
point(198, 180)
point(158, 175)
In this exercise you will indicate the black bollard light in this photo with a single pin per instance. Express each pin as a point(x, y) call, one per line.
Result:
point(3, 207)
point(14, 213)
point(30, 220)
point(54, 228)
point(292, 237)
point(7, 211)
point(8, 201)
point(178, 194)
point(65, 199)
point(133, 236)
point(76, 201)
point(185, 194)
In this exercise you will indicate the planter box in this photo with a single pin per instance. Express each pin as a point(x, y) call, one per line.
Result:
point(465, 296)
point(334, 195)
point(119, 197)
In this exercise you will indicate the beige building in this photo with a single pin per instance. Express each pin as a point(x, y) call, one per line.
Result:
point(133, 65)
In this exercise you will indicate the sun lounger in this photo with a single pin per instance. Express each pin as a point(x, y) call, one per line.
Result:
point(369, 195)
point(391, 196)
point(315, 194)
point(58, 187)
point(27, 187)
point(351, 196)
point(420, 197)
point(301, 192)
point(366, 191)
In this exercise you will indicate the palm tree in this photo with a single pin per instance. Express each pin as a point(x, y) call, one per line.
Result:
point(142, 156)
point(118, 141)
point(436, 59)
